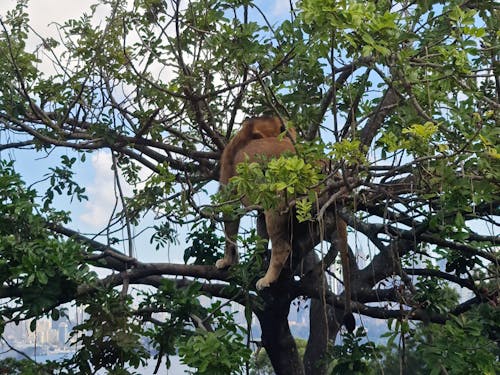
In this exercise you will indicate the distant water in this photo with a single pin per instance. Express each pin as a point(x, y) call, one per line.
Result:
point(176, 367)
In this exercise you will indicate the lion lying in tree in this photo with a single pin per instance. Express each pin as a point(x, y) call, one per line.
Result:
point(263, 137)
point(258, 137)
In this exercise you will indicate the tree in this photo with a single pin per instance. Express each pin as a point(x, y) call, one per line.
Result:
point(261, 364)
point(401, 98)
point(435, 348)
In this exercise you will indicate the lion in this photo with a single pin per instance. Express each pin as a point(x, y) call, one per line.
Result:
point(258, 137)
point(267, 137)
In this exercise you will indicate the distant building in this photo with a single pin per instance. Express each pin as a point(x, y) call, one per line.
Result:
point(63, 334)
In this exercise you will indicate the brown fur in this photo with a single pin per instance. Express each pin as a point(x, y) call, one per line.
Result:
point(251, 129)
point(341, 227)
point(258, 137)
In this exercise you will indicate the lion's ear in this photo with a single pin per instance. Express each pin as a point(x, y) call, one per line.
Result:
point(267, 127)
point(258, 134)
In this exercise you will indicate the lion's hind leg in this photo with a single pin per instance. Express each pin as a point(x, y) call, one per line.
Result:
point(277, 228)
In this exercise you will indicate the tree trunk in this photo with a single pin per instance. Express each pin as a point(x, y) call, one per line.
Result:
point(314, 357)
point(276, 336)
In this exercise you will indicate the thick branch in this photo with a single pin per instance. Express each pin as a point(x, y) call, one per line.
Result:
point(442, 275)
point(345, 72)
point(388, 103)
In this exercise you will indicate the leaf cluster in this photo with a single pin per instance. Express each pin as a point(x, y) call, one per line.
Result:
point(44, 267)
point(267, 183)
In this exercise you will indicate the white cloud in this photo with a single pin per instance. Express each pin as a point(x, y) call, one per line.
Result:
point(44, 18)
point(43, 13)
point(48, 15)
point(100, 191)
point(281, 8)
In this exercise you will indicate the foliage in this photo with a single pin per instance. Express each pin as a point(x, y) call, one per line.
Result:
point(351, 152)
point(354, 356)
point(460, 347)
point(436, 295)
point(204, 242)
point(261, 365)
point(180, 305)
point(284, 176)
point(396, 361)
point(222, 351)
point(23, 367)
point(44, 266)
point(109, 338)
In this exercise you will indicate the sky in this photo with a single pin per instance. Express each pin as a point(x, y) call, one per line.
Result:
point(95, 173)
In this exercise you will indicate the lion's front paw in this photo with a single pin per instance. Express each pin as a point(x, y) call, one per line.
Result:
point(223, 263)
point(262, 283)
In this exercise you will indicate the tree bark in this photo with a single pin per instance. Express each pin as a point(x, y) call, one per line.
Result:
point(276, 336)
point(318, 339)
